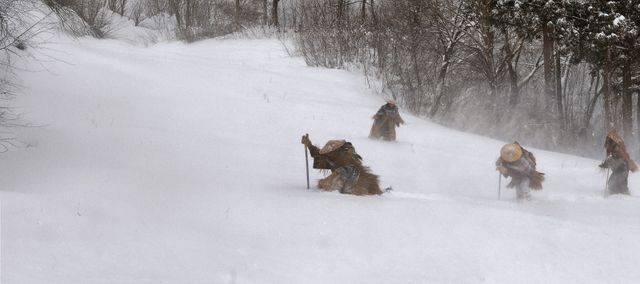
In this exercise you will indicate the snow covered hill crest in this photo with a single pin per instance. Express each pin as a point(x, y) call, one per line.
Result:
point(182, 163)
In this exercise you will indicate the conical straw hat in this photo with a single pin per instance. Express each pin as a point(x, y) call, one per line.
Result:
point(614, 136)
point(510, 152)
point(331, 146)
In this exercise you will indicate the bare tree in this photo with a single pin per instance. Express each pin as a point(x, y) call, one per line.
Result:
point(237, 14)
point(138, 12)
point(265, 14)
point(18, 26)
point(450, 23)
point(274, 13)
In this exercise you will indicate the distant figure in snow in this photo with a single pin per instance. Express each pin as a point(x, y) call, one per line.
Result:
point(520, 165)
point(348, 175)
point(385, 122)
point(619, 162)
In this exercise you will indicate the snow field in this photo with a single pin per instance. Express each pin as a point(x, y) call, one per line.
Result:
point(182, 163)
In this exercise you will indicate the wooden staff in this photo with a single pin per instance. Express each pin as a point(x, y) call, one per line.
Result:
point(306, 159)
point(499, 184)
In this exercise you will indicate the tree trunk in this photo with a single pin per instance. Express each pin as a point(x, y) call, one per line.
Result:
point(284, 15)
point(514, 95)
point(274, 13)
point(547, 50)
point(294, 14)
point(175, 9)
point(627, 101)
point(442, 74)
point(439, 89)
point(592, 103)
point(559, 100)
point(340, 12)
point(373, 13)
point(237, 15)
point(123, 3)
point(488, 42)
point(606, 88)
point(188, 19)
point(265, 13)
point(638, 114)
point(363, 12)
point(415, 50)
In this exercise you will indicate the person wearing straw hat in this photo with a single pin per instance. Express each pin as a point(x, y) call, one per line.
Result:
point(385, 122)
point(520, 165)
point(348, 175)
point(619, 162)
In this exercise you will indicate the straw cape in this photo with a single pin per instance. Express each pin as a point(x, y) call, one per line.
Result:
point(385, 122)
point(614, 146)
point(348, 175)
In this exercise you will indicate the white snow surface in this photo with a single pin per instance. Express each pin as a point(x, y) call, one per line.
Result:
point(182, 163)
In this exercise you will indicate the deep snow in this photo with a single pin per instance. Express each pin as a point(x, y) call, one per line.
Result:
point(182, 163)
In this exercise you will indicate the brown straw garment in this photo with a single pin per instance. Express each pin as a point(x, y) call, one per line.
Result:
point(614, 145)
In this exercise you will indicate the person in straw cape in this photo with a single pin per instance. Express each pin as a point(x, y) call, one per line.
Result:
point(348, 175)
point(520, 165)
point(385, 122)
point(619, 162)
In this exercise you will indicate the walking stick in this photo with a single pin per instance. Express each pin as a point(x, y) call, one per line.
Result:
point(606, 184)
point(306, 159)
point(499, 184)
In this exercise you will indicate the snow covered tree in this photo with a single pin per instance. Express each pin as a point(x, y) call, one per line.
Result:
point(608, 39)
point(481, 32)
point(536, 20)
point(626, 24)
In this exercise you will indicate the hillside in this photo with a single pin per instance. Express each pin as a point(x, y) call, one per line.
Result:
point(182, 163)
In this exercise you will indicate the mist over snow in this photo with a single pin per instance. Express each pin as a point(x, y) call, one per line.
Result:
point(182, 163)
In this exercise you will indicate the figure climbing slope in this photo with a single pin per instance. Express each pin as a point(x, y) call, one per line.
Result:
point(520, 165)
point(619, 162)
point(385, 122)
point(348, 175)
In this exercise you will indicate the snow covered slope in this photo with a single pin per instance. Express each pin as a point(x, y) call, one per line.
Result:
point(182, 164)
